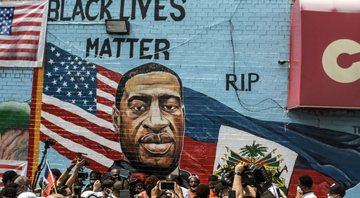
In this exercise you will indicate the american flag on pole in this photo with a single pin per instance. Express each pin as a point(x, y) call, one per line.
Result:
point(22, 33)
point(20, 167)
point(77, 104)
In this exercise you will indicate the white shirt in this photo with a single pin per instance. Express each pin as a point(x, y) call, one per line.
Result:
point(309, 195)
point(273, 189)
point(185, 192)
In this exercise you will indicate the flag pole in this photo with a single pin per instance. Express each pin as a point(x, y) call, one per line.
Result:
point(48, 142)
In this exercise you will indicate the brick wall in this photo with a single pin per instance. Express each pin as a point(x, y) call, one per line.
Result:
point(214, 38)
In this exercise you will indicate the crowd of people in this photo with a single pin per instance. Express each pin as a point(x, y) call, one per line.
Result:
point(113, 184)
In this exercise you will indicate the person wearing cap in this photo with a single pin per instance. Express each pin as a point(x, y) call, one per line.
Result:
point(9, 177)
point(194, 182)
point(336, 190)
point(212, 182)
point(304, 187)
point(24, 186)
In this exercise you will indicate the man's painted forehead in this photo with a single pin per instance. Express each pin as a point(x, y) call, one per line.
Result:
point(158, 80)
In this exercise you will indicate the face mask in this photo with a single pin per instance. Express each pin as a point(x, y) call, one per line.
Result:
point(193, 188)
point(299, 189)
point(92, 181)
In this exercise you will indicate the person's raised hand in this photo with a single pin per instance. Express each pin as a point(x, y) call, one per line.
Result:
point(178, 191)
point(97, 186)
point(80, 163)
point(155, 192)
point(239, 167)
point(72, 164)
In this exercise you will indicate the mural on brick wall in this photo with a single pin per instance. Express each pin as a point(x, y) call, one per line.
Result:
point(157, 103)
point(14, 137)
point(14, 130)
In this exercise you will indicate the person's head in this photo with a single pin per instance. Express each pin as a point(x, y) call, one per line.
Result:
point(150, 183)
point(212, 181)
point(136, 182)
point(115, 174)
point(24, 184)
point(108, 183)
point(336, 190)
point(107, 186)
point(194, 181)
point(94, 175)
point(202, 191)
point(149, 117)
point(56, 172)
point(305, 183)
point(9, 177)
point(27, 195)
point(10, 190)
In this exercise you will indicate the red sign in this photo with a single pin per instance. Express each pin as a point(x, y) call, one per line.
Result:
point(324, 55)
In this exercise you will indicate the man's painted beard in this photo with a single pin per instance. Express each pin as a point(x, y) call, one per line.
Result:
point(154, 153)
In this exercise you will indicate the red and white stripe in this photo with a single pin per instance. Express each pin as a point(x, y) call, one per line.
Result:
point(25, 46)
point(76, 130)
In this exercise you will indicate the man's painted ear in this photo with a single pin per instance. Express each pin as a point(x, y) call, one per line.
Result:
point(116, 119)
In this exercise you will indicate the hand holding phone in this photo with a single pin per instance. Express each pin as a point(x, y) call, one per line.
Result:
point(167, 185)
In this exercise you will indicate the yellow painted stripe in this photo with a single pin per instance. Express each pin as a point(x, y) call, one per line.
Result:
point(36, 140)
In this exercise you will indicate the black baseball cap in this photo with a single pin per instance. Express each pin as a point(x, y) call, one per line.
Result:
point(9, 176)
point(337, 188)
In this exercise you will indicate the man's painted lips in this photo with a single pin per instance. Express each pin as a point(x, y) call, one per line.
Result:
point(157, 143)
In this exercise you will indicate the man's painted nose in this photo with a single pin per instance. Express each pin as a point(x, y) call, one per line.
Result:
point(155, 120)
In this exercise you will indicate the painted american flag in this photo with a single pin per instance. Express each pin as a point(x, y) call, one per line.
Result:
point(77, 104)
point(22, 33)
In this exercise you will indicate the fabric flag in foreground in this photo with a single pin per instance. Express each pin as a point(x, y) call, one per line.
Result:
point(20, 167)
point(48, 181)
point(22, 33)
point(76, 108)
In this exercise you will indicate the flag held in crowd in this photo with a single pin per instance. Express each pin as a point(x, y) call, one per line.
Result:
point(22, 33)
point(48, 181)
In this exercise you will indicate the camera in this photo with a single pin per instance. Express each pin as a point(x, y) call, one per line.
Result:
point(87, 163)
point(167, 185)
point(256, 176)
point(83, 175)
point(80, 157)
point(252, 175)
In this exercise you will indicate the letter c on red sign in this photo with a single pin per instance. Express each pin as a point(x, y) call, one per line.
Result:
point(331, 66)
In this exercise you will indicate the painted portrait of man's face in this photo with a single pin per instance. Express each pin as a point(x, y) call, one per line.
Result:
point(152, 120)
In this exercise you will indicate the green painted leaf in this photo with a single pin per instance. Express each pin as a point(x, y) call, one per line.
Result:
point(14, 115)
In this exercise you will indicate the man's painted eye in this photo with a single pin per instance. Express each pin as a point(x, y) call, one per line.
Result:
point(169, 107)
point(139, 108)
